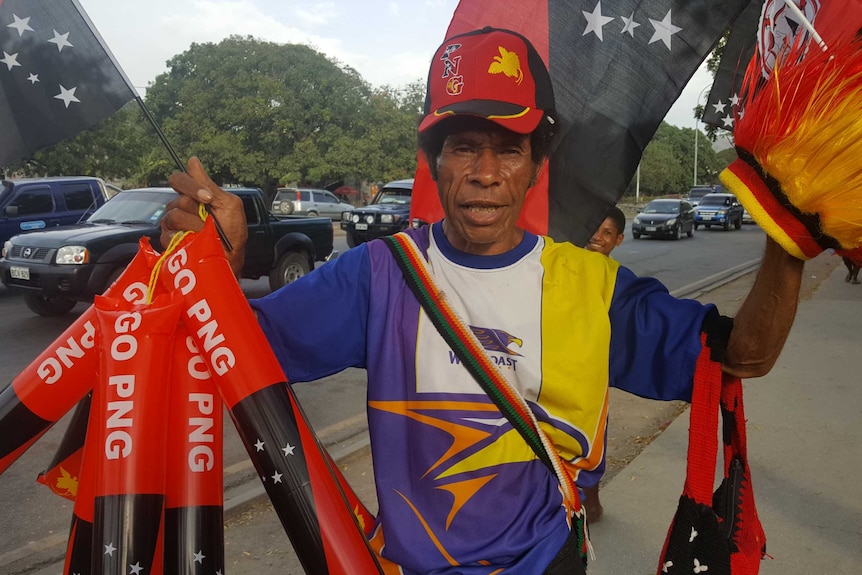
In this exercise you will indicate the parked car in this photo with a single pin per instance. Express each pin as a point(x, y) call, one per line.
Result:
point(696, 193)
point(309, 202)
point(57, 268)
point(720, 210)
point(387, 214)
point(665, 217)
point(28, 204)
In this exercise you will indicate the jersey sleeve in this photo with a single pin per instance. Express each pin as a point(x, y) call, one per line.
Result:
point(317, 324)
point(655, 338)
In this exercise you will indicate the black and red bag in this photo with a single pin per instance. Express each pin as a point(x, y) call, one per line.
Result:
point(715, 533)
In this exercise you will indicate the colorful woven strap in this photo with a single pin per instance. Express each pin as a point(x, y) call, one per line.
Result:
point(466, 346)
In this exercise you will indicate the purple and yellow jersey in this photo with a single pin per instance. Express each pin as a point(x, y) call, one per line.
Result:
point(459, 491)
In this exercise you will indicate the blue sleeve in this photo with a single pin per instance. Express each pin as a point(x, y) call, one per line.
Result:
point(317, 324)
point(655, 338)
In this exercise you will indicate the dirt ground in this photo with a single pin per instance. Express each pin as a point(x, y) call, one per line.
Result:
point(255, 543)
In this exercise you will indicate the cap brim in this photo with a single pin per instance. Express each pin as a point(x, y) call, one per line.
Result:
point(510, 116)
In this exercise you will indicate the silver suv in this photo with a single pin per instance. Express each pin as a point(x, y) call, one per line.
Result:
point(309, 202)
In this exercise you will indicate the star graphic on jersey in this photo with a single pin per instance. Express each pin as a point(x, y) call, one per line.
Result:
point(259, 445)
point(20, 24)
point(288, 450)
point(109, 549)
point(135, 569)
point(666, 565)
point(595, 21)
point(664, 29)
point(33, 78)
point(61, 40)
point(276, 478)
point(199, 557)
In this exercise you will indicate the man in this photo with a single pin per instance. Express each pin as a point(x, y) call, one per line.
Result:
point(458, 490)
point(610, 233)
point(608, 236)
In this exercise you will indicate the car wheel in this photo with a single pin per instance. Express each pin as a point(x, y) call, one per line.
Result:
point(115, 275)
point(636, 235)
point(677, 233)
point(48, 306)
point(290, 267)
point(312, 214)
point(352, 240)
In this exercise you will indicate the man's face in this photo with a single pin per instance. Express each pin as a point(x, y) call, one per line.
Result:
point(483, 173)
point(606, 238)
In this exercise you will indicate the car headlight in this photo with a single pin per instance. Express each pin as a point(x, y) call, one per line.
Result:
point(369, 219)
point(386, 218)
point(636, 221)
point(345, 216)
point(74, 255)
point(7, 247)
point(354, 218)
point(671, 222)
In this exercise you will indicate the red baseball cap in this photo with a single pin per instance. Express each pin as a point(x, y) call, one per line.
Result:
point(490, 73)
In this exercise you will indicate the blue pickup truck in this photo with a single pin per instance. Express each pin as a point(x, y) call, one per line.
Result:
point(29, 204)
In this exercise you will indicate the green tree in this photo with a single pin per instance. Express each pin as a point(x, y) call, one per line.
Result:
point(264, 114)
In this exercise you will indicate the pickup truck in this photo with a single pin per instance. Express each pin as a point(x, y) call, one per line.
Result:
point(58, 268)
point(38, 203)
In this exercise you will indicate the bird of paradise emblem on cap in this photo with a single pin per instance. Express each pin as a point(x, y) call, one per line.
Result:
point(507, 63)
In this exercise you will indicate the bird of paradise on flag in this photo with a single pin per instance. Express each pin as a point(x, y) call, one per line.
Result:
point(616, 67)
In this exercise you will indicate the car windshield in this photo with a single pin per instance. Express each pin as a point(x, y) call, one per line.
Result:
point(715, 201)
point(393, 198)
point(133, 206)
point(662, 208)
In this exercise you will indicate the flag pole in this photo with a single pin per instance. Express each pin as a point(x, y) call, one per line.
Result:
point(180, 165)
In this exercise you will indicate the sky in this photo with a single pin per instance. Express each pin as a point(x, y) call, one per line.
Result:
point(388, 42)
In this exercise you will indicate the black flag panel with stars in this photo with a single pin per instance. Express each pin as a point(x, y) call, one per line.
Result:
point(56, 77)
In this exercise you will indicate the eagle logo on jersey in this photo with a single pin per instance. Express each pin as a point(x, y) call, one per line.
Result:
point(496, 340)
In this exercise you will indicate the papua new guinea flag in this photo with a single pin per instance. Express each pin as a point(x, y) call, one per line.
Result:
point(617, 67)
point(770, 27)
point(57, 78)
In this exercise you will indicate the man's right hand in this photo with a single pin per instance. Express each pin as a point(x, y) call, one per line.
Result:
point(194, 188)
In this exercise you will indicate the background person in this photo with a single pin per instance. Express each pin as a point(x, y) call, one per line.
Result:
point(459, 491)
point(610, 233)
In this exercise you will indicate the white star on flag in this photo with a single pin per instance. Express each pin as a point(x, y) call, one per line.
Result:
point(199, 557)
point(629, 25)
point(259, 445)
point(666, 565)
point(109, 549)
point(664, 29)
point(135, 569)
point(728, 121)
point(67, 96)
point(276, 478)
point(11, 60)
point(20, 24)
point(33, 78)
point(734, 101)
point(61, 40)
point(595, 21)
point(288, 450)
point(719, 107)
